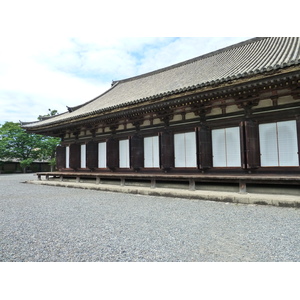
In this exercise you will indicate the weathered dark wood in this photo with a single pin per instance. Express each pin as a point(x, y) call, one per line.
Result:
point(242, 180)
point(252, 152)
point(137, 152)
point(60, 157)
point(74, 156)
point(298, 135)
point(167, 150)
point(92, 155)
point(112, 153)
point(205, 147)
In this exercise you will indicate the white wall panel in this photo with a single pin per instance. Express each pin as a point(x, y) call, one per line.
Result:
point(155, 144)
point(83, 156)
point(124, 154)
point(185, 150)
point(179, 150)
point(151, 152)
point(287, 143)
point(233, 146)
point(190, 150)
point(268, 145)
point(226, 147)
point(102, 155)
point(218, 147)
point(67, 157)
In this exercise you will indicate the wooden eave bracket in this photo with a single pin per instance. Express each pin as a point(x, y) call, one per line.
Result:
point(165, 115)
point(296, 93)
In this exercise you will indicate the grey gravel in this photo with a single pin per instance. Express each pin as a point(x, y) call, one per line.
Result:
point(54, 224)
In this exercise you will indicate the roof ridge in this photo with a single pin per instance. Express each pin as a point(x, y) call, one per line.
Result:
point(73, 108)
point(191, 60)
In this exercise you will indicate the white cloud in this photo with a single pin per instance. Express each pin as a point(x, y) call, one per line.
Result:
point(71, 73)
point(62, 53)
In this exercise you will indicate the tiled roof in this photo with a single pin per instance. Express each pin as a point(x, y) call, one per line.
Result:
point(254, 56)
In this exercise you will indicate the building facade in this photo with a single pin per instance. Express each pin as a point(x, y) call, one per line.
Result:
point(232, 111)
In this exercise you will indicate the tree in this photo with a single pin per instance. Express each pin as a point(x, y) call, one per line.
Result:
point(16, 143)
point(26, 163)
point(50, 114)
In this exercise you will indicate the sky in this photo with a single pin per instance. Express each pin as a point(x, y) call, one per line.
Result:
point(55, 54)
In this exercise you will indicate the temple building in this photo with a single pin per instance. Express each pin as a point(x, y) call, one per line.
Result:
point(231, 112)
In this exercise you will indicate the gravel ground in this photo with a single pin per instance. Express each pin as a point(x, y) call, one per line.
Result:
point(45, 223)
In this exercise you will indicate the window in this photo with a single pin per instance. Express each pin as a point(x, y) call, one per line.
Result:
point(68, 157)
point(151, 152)
point(185, 150)
point(278, 144)
point(83, 156)
point(226, 147)
point(102, 155)
point(124, 154)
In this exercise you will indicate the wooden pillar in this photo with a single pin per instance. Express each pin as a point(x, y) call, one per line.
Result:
point(92, 155)
point(205, 147)
point(137, 152)
point(298, 136)
point(75, 156)
point(251, 142)
point(167, 150)
point(60, 157)
point(112, 153)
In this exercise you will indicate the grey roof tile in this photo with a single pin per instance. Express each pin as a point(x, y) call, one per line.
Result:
point(254, 56)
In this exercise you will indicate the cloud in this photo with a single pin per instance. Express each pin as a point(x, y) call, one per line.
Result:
point(64, 53)
point(77, 70)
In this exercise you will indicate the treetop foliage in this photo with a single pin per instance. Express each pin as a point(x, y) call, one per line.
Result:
point(16, 143)
point(50, 114)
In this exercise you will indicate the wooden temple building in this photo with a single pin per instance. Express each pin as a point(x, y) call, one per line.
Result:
point(232, 115)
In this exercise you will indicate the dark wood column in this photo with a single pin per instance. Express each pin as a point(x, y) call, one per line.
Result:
point(298, 136)
point(60, 157)
point(92, 155)
point(74, 156)
point(137, 152)
point(112, 153)
point(205, 147)
point(252, 152)
point(167, 150)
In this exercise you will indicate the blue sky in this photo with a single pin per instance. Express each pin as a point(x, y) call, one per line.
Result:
point(55, 54)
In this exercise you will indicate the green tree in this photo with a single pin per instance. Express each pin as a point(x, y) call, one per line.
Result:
point(50, 114)
point(16, 143)
point(26, 163)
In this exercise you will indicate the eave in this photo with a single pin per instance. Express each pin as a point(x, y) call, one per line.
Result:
point(204, 94)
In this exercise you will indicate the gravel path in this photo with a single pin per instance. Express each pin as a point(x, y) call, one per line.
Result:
point(44, 223)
